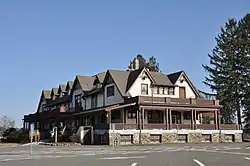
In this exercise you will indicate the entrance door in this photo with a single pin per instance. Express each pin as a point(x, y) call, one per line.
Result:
point(88, 135)
point(182, 92)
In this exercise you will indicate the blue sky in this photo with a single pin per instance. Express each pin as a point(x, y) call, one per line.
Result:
point(45, 43)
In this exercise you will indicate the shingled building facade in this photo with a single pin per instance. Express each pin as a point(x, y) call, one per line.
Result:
point(133, 107)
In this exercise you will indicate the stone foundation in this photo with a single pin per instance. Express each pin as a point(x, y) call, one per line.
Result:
point(172, 136)
point(215, 138)
point(114, 139)
point(194, 137)
point(169, 138)
point(238, 138)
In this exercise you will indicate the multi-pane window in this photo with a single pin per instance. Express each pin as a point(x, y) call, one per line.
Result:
point(144, 89)
point(110, 91)
point(155, 90)
point(161, 90)
point(131, 115)
point(78, 100)
point(164, 90)
point(171, 90)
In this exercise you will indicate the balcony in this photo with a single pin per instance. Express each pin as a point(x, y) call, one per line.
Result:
point(173, 101)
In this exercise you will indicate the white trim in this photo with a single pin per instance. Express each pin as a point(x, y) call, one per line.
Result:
point(178, 131)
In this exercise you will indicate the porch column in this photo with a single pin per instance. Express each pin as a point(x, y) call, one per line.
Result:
point(170, 119)
point(195, 118)
point(192, 119)
point(218, 116)
point(137, 118)
point(166, 118)
point(143, 112)
point(215, 119)
point(109, 119)
point(123, 118)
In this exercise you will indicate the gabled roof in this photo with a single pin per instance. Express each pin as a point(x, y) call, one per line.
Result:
point(132, 77)
point(125, 79)
point(61, 88)
point(175, 76)
point(46, 94)
point(69, 85)
point(101, 76)
point(86, 82)
point(120, 78)
point(54, 92)
point(161, 79)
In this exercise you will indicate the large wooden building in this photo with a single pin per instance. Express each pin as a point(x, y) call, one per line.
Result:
point(133, 107)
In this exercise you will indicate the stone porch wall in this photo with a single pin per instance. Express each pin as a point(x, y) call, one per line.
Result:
point(173, 136)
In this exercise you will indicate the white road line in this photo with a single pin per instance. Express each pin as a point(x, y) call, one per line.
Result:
point(198, 162)
point(247, 158)
point(18, 159)
point(122, 158)
point(134, 164)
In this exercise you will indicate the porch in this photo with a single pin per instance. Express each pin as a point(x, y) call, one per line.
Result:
point(167, 120)
point(167, 114)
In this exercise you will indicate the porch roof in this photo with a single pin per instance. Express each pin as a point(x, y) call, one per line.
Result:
point(119, 106)
point(108, 108)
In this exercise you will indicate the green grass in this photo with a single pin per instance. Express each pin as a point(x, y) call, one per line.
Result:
point(8, 144)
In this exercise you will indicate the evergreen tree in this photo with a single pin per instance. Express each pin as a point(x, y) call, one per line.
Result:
point(244, 82)
point(222, 76)
point(152, 64)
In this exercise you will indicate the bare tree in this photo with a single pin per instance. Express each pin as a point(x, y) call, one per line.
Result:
point(6, 123)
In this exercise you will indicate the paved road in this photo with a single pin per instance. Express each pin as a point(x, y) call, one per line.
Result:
point(161, 155)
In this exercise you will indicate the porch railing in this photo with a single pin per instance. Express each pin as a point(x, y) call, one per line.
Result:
point(206, 126)
point(155, 126)
point(168, 100)
point(181, 126)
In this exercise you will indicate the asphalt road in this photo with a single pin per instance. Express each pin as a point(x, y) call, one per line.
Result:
point(161, 155)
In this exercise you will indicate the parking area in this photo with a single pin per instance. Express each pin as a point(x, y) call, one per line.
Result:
point(158, 155)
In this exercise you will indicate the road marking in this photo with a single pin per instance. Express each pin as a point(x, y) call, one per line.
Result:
point(247, 158)
point(18, 159)
point(198, 162)
point(134, 164)
point(122, 158)
point(223, 152)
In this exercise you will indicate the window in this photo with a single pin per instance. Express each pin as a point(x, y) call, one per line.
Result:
point(110, 91)
point(187, 115)
point(93, 101)
point(171, 90)
point(155, 90)
point(144, 89)
point(78, 100)
point(161, 90)
point(165, 90)
point(44, 107)
point(131, 115)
